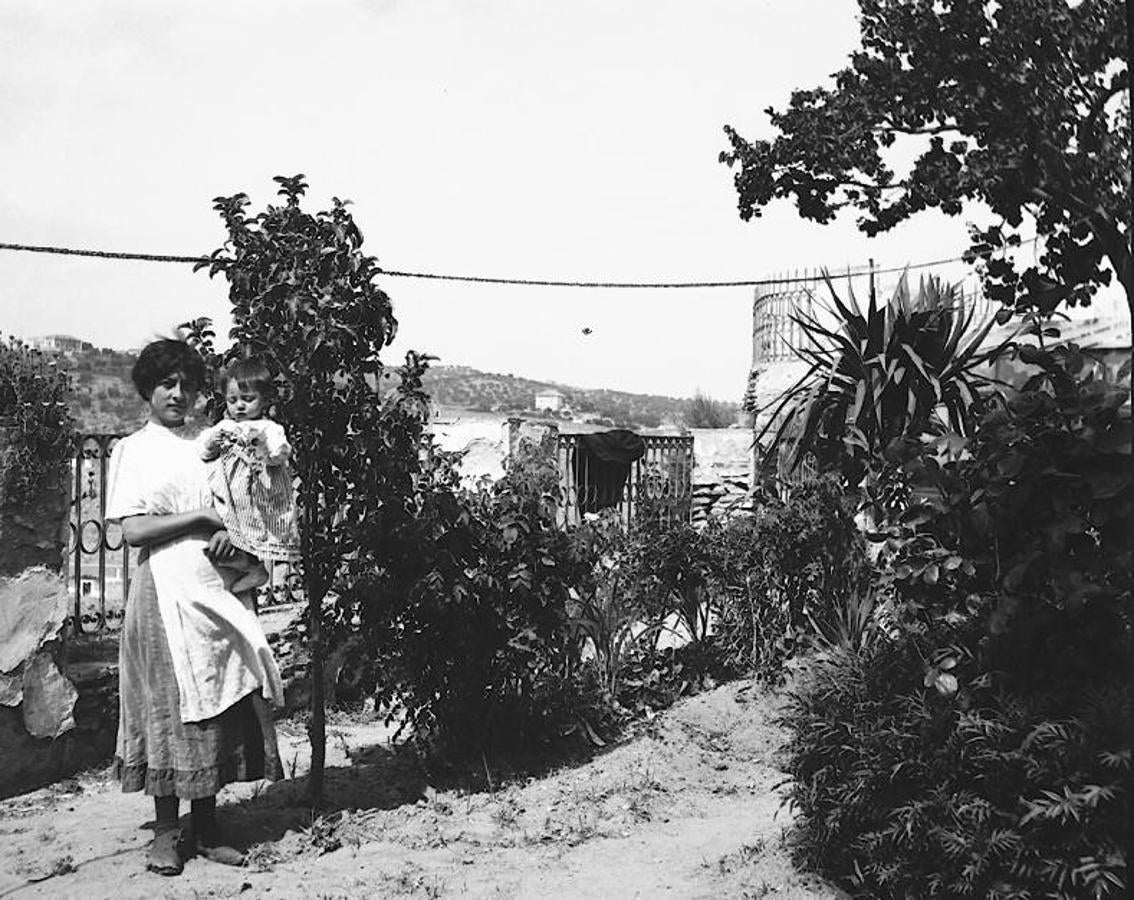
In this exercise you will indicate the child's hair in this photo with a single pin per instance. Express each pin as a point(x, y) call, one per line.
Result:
point(165, 357)
point(250, 374)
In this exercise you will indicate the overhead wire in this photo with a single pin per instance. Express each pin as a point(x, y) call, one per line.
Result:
point(526, 282)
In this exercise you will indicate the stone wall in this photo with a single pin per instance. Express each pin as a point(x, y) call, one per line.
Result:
point(31, 762)
point(41, 707)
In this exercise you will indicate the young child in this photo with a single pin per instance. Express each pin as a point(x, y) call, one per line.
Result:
point(247, 456)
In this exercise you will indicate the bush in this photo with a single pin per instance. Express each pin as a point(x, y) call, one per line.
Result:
point(462, 595)
point(997, 791)
point(646, 581)
point(784, 571)
point(670, 563)
point(982, 746)
point(654, 679)
point(33, 404)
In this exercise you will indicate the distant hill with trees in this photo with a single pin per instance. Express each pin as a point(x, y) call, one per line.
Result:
point(104, 399)
point(103, 396)
point(463, 387)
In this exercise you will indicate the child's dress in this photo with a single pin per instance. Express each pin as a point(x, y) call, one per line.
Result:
point(252, 486)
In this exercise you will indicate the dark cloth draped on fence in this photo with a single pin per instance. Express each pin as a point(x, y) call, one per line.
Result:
point(602, 464)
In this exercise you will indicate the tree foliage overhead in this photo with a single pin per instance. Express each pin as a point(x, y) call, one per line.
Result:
point(1022, 105)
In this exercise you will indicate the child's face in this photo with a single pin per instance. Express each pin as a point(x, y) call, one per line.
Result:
point(243, 403)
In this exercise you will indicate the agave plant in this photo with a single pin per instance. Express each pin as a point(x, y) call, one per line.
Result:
point(903, 369)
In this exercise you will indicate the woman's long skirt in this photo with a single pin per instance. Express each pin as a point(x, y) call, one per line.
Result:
point(157, 752)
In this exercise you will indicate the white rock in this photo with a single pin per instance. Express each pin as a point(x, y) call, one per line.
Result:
point(49, 699)
point(33, 608)
point(12, 688)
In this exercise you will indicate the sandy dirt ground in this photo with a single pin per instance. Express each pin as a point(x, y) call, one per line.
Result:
point(685, 808)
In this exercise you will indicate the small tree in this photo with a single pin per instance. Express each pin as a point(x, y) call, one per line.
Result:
point(1021, 104)
point(304, 299)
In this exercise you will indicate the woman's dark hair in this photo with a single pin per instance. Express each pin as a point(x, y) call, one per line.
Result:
point(250, 374)
point(160, 359)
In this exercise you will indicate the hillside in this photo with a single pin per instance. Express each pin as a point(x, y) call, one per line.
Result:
point(105, 400)
point(462, 387)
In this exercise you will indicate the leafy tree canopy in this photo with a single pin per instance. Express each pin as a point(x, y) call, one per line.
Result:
point(1020, 104)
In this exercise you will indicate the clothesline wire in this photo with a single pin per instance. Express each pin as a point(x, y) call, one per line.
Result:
point(531, 282)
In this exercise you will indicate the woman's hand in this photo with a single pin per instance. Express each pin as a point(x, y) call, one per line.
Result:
point(220, 548)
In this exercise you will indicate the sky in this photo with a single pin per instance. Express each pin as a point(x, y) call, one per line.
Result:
point(512, 138)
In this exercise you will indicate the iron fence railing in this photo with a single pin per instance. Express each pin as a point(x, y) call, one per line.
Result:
point(661, 481)
point(98, 560)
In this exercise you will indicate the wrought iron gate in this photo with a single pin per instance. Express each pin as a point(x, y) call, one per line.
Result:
point(98, 562)
point(662, 480)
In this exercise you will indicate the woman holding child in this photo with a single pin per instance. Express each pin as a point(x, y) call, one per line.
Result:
point(195, 670)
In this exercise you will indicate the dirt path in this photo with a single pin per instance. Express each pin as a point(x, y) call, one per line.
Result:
point(685, 809)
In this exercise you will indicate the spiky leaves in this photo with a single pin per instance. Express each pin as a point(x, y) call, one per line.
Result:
point(905, 368)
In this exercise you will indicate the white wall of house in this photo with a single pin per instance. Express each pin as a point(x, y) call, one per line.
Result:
point(551, 401)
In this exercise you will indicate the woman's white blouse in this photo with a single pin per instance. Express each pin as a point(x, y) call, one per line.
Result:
point(155, 471)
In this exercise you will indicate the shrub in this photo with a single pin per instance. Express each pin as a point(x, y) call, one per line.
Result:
point(648, 580)
point(906, 791)
point(983, 748)
point(670, 562)
point(653, 679)
point(33, 404)
point(789, 566)
point(462, 595)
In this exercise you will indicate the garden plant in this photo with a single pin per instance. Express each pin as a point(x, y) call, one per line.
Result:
point(978, 743)
point(966, 730)
point(909, 366)
point(34, 411)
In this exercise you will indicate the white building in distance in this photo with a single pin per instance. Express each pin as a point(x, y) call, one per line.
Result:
point(549, 400)
point(59, 343)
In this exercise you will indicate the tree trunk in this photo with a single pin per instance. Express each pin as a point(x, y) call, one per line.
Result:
point(1128, 281)
point(316, 588)
point(317, 728)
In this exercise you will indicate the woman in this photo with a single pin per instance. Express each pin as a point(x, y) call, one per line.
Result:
point(194, 666)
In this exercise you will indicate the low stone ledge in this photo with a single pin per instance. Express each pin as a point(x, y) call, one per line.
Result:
point(30, 762)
